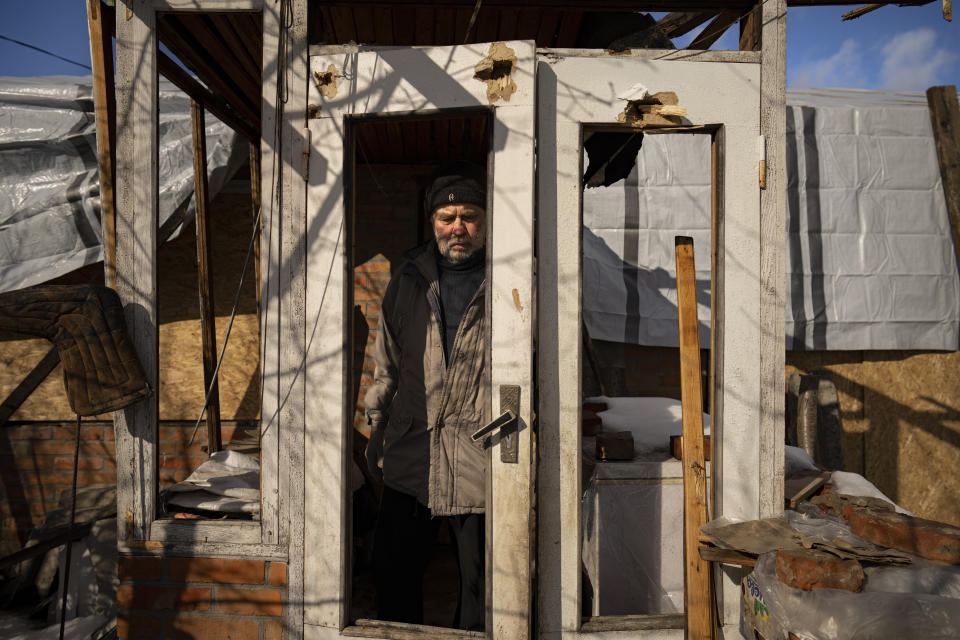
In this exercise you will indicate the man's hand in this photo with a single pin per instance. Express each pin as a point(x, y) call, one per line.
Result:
point(374, 452)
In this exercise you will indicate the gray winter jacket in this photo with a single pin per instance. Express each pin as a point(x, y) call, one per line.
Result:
point(427, 406)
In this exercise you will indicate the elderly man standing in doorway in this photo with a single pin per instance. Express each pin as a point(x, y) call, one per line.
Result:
point(426, 400)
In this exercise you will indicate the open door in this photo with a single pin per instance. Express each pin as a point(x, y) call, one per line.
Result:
point(377, 120)
point(597, 113)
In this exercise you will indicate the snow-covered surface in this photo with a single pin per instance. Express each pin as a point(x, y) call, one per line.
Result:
point(651, 421)
point(797, 460)
point(854, 484)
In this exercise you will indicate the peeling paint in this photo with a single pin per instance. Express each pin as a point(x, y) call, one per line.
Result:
point(516, 300)
point(327, 81)
point(313, 111)
point(129, 13)
point(659, 109)
point(496, 70)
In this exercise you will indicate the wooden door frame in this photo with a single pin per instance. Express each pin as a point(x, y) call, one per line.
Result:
point(415, 81)
point(577, 89)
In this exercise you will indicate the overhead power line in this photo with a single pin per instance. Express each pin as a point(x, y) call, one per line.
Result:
point(49, 53)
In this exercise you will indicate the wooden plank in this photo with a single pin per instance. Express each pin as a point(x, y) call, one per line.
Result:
point(802, 488)
point(77, 532)
point(569, 27)
point(601, 624)
point(947, 11)
point(208, 326)
point(860, 11)
point(726, 556)
point(217, 52)
point(342, 22)
point(713, 31)
point(217, 106)
point(423, 26)
point(401, 631)
point(272, 525)
point(750, 30)
point(27, 386)
point(746, 57)
point(680, 23)
point(383, 26)
point(549, 22)
point(100, 19)
point(207, 6)
point(945, 120)
point(444, 28)
point(137, 228)
point(773, 214)
point(295, 147)
point(176, 37)
point(697, 586)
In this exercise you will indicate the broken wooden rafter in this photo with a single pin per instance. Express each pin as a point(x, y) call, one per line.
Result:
point(860, 11)
point(214, 103)
point(679, 23)
point(714, 30)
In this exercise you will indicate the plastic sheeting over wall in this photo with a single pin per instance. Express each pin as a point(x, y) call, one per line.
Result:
point(870, 258)
point(49, 184)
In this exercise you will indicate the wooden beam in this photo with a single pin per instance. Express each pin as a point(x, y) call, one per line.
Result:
point(698, 585)
point(714, 30)
point(208, 326)
point(679, 23)
point(947, 11)
point(33, 379)
point(217, 106)
point(174, 35)
point(137, 229)
point(77, 532)
point(945, 119)
point(856, 13)
point(727, 556)
point(100, 19)
point(750, 30)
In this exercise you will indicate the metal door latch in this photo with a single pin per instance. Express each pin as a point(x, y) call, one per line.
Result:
point(506, 423)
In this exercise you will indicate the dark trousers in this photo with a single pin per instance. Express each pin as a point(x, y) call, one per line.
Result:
point(404, 541)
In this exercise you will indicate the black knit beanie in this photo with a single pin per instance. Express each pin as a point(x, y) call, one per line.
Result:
point(456, 182)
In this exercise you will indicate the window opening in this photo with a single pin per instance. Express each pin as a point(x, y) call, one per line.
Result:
point(640, 190)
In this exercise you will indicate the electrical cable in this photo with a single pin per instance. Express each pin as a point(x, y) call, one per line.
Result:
point(49, 53)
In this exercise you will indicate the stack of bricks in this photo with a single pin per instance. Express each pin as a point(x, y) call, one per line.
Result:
point(164, 597)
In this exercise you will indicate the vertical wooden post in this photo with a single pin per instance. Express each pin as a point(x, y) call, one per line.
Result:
point(945, 119)
point(257, 202)
point(137, 231)
point(208, 327)
point(697, 585)
point(99, 23)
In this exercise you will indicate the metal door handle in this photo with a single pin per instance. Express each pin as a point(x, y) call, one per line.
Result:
point(506, 423)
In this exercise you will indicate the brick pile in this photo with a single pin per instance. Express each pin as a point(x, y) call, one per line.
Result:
point(164, 597)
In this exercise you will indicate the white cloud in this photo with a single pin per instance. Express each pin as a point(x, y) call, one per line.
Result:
point(913, 62)
point(841, 69)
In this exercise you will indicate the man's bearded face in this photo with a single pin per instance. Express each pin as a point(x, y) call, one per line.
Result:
point(460, 230)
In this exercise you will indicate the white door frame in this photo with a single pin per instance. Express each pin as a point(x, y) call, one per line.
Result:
point(405, 81)
point(577, 88)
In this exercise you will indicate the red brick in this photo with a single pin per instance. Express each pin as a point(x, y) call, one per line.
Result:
point(139, 627)
point(250, 602)
point(817, 570)
point(278, 574)
point(209, 628)
point(88, 463)
point(216, 570)
point(925, 538)
point(152, 598)
point(140, 569)
point(273, 630)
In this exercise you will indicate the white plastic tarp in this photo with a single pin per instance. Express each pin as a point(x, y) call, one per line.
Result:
point(49, 183)
point(870, 258)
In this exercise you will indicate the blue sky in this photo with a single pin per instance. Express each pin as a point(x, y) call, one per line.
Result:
point(903, 48)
